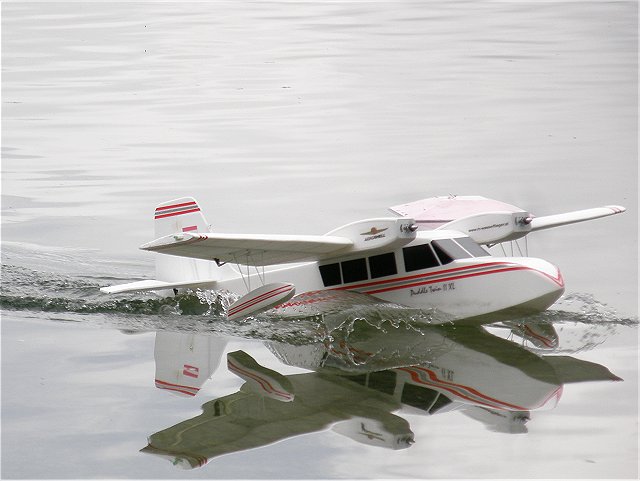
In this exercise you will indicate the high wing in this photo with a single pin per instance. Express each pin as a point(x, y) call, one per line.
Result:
point(548, 221)
point(489, 221)
point(249, 249)
point(436, 212)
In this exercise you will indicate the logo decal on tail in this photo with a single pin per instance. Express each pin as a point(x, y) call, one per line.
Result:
point(176, 209)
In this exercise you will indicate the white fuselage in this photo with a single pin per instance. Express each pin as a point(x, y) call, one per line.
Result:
point(434, 271)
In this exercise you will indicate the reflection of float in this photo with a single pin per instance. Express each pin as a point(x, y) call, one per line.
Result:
point(259, 379)
point(360, 388)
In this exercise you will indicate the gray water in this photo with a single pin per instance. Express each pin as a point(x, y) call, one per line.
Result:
point(298, 118)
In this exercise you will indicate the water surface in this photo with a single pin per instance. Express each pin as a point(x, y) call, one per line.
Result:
point(298, 118)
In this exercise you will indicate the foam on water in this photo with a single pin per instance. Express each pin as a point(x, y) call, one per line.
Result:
point(64, 297)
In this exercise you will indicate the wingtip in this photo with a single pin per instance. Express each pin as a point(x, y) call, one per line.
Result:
point(617, 209)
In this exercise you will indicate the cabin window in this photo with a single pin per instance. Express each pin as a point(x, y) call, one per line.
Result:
point(418, 397)
point(383, 381)
point(419, 257)
point(354, 271)
point(330, 274)
point(447, 250)
point(442, 255)
point(383, 265)
point(359, 379)
point(440, 403)
point(472, 247)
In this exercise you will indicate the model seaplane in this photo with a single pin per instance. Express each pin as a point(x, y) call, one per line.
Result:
point(429, 256)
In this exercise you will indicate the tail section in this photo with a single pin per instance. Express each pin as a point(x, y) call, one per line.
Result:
point(182, 215)
point(179, 215)
point(176, 216)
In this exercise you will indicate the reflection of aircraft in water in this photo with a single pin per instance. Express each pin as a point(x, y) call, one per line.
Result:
point(361, 385)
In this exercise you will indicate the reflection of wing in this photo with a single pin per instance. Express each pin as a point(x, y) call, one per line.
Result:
point(512, 422)
point(569, 369)
point(248, 419)
point(185, 361)
point(249, 249)
point(392, 432)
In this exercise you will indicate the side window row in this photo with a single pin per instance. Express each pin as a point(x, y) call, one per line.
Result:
point(423, 256)
point(356, 270)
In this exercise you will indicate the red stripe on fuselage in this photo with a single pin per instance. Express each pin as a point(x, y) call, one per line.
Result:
point(454, 388)
point(420, 276)
point(430, 277)
point(447, 279)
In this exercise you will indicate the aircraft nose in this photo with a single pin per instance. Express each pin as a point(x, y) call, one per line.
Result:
point(547, 269)
point(552, 285)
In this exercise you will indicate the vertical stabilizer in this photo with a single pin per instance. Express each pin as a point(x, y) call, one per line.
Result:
point(182, 215)
point(179, 215)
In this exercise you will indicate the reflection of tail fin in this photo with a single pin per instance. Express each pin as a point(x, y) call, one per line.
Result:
point(185, 361)
point(175, 216)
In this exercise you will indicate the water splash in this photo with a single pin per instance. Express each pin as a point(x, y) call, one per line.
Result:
point(582, 320)
point(586, 309)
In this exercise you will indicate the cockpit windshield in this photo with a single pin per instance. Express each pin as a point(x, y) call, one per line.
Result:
point(458, 248)
point(471, 247)
point(446, 250)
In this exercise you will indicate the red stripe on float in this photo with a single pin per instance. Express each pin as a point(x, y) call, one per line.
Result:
point(251, 302)
point(268, 388)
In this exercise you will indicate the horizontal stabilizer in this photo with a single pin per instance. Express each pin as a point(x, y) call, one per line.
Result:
point(154, 285)
point(548, 221)
point(249, 249)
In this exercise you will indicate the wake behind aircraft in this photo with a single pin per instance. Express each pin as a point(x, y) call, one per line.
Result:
point(429, 256)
